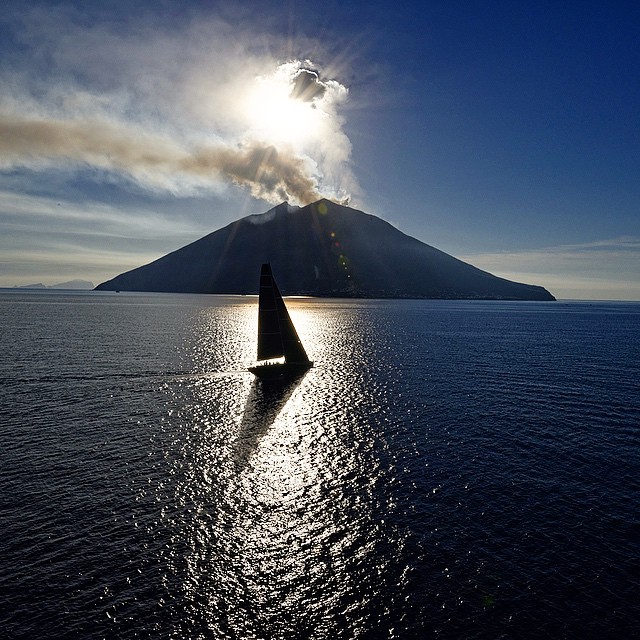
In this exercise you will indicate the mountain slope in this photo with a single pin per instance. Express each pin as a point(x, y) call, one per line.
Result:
point(322, 249)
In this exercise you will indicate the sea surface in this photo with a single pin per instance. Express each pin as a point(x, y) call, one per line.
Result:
point(448, 469)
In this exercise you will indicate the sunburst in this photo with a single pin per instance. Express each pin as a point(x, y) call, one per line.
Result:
point(276, 115)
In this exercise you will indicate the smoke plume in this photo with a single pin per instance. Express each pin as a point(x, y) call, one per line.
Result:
point(153, 161)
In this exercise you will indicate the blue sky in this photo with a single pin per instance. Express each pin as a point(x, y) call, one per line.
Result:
point(504, 133)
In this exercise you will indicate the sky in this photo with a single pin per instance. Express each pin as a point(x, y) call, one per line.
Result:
point(504, 133)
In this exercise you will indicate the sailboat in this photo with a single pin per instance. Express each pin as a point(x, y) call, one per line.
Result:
point(277, 337)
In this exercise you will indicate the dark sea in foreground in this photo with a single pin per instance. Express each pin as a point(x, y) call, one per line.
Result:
point(446, 470)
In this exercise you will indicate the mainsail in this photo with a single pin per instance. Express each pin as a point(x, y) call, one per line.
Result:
point(277, 337)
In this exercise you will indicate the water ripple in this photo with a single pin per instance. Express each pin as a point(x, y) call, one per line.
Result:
point(445, 470)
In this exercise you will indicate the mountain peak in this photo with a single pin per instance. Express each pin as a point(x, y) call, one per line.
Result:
point(281, 209)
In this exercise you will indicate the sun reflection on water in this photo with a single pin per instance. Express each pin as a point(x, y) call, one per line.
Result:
point(279, 486)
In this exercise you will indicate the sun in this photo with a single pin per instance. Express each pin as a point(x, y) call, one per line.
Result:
point(276, 116)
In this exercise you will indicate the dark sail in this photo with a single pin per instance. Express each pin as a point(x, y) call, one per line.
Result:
point(277, 337)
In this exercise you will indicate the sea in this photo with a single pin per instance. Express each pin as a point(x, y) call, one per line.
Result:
point(446, 470)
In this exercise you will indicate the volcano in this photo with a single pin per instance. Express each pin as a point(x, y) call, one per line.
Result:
point(322, 249)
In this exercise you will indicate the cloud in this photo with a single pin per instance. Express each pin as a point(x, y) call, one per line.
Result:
point(170, 108)
point(603, 269)
point(38, 216)
point(593, 255)
point(52, 240)
point(307, 85)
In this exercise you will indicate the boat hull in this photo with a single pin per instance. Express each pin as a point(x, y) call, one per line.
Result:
point(280, 370)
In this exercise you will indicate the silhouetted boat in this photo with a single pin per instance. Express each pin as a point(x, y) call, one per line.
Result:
point(277, 337)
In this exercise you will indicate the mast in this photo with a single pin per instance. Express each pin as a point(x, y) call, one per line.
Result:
point(277, 337)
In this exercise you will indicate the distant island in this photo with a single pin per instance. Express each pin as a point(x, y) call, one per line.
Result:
point(322, 249)
point(71, 284)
